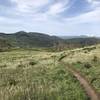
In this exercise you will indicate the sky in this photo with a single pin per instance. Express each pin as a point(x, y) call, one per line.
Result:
point(53, 17)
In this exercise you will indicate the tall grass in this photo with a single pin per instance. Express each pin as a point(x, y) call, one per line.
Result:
point(37, 76)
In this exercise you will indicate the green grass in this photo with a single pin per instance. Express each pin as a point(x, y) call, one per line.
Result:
point(36, 75)
point(88, 63)
point(92, 73)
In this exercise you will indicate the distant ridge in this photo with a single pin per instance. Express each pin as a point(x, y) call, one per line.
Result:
point(24, 39)
point(30, 39)
point(80, 36)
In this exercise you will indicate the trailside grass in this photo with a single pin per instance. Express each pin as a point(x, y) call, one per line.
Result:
point(87, 61)
point(36, 75)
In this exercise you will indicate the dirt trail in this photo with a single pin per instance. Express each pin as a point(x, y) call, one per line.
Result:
point(83, 81)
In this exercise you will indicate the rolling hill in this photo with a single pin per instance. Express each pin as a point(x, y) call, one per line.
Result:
point(81, 42)
point(32, 39)
point(23, 39)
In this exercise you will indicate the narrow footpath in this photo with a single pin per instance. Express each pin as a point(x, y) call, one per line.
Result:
point(91, 92)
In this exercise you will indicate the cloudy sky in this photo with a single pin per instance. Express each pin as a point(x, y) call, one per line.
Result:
point(54, 17)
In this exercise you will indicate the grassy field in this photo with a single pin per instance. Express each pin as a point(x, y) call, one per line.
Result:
point(87, 61)
point(36, 75)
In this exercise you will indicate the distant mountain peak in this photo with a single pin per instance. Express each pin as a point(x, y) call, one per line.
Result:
point(21, 32)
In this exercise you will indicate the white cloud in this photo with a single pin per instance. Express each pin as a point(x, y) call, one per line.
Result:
point(29, 5)
point(1, 18)
point(90, 17)
point(5, 20)
point(29, 15)
point(58, 7)
point(40, 17)
point(94, 3)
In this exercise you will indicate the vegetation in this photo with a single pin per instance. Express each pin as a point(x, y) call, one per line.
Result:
point(35, 75)
point(30, 68)
point(33, 40)
point(4, 45)
point(87, 63)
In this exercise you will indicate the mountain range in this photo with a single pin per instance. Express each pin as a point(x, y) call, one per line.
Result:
point(23, 39)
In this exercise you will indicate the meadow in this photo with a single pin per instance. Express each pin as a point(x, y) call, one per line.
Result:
point(36, 75)
point(87, 61)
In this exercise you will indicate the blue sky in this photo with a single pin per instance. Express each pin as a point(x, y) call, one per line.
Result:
point(54, 17)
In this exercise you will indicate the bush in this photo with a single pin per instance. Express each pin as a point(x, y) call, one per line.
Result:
point(62, 56)
point(79, 62)
point(32, 63)
point(95, 59)
point(85, 51)
point(87, 65)
point(12, 82)
point(21, 66)
point(94, 79)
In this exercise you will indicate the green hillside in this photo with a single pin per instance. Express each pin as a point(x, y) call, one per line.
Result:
point(33, 39)
point(4, 44)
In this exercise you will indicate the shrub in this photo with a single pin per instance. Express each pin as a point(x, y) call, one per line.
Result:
point(95, 59)
point(21, 66)
point(85, 51)
point(32, 63)
point(62, 56)
point(87, 65)
point(94, 79)
point(79, 62)
point(12, 82)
